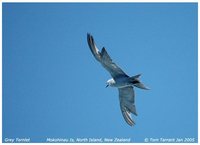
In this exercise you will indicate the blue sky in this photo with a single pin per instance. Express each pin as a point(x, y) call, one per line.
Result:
point(53, 87)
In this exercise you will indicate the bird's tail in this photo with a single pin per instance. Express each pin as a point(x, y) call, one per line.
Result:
point(137, 83)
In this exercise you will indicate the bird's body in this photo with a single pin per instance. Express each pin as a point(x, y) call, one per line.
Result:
point(120, 80)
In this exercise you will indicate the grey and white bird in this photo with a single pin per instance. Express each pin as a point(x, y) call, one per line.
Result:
point(119, 79)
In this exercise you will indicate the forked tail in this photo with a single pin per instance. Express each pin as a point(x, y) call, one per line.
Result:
point(137, 83)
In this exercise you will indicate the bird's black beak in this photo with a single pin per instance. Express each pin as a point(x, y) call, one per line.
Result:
point(107, 85)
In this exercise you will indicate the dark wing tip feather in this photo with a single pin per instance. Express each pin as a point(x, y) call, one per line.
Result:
point(89, 39)
point(128, 118)
point(88, 35)
point(93, 47)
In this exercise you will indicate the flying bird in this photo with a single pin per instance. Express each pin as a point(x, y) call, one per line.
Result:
point(120, 80)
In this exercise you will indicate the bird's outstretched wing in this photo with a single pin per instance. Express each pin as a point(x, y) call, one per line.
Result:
point(104, 59)
point(127, 99)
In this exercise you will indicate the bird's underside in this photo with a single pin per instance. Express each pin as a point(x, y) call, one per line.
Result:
point(126, 93)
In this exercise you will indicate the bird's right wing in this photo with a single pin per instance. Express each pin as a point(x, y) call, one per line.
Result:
point(104, 59)
point(127, 98)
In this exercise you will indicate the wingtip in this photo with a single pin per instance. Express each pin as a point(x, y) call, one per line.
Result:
point(88, 34)
point(128, 119)
point(89, 39)
point(131, 124)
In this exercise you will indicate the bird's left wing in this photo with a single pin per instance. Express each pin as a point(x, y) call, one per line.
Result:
point(104, 59)
point(95, 51)
point(127, 99)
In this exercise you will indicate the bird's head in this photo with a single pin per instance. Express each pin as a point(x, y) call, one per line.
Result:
point(110, 82)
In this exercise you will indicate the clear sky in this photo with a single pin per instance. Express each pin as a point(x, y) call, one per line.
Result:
point(54, 88)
